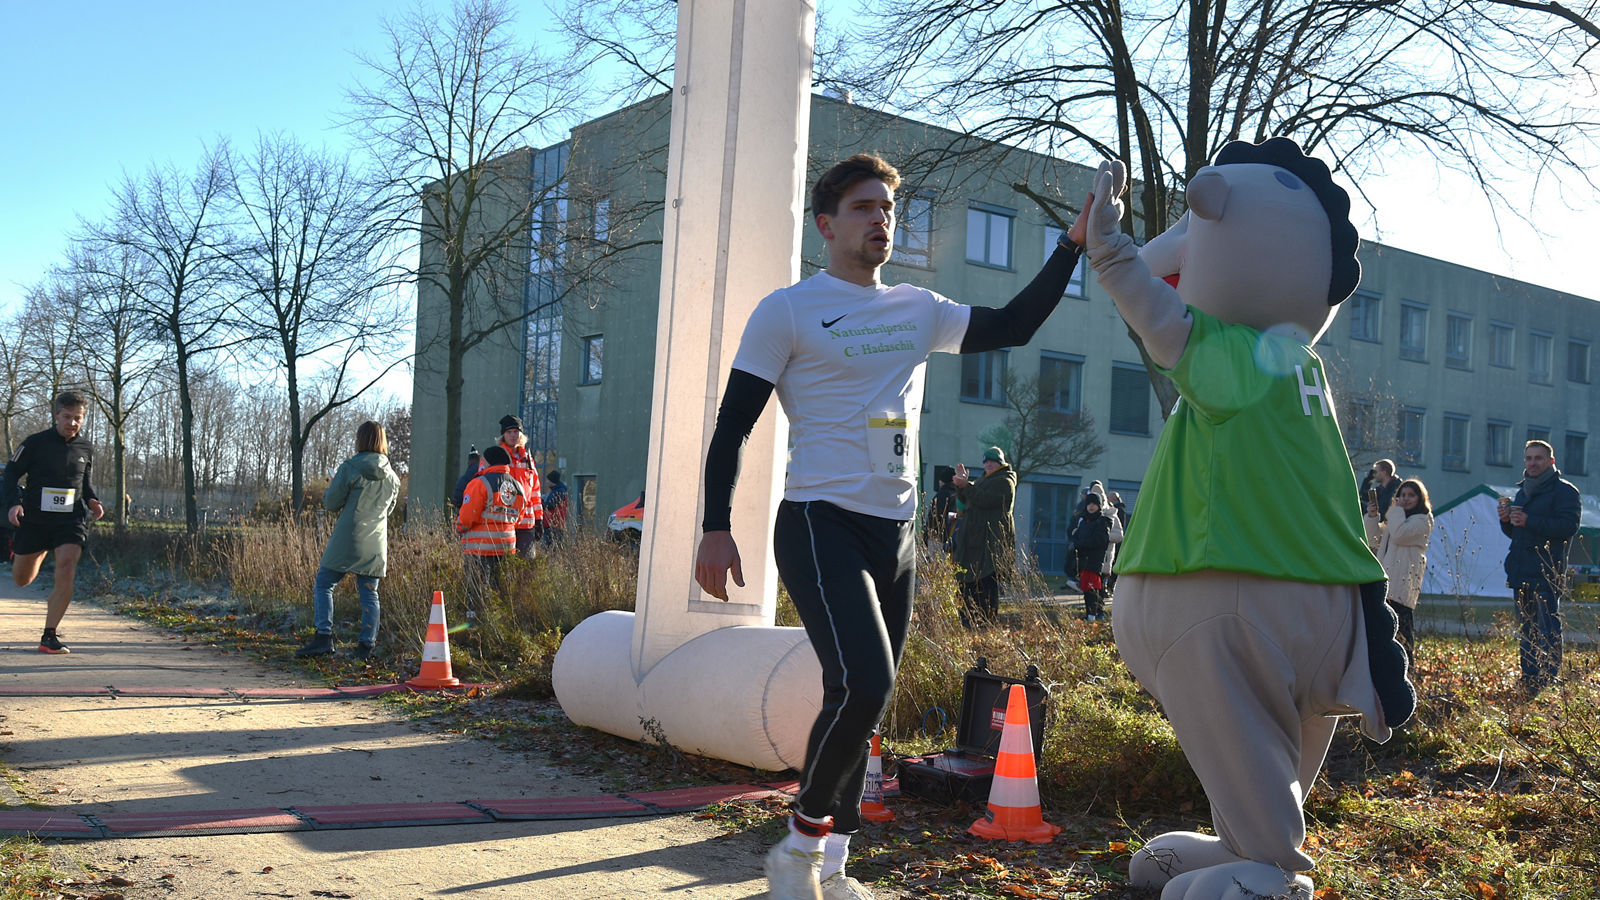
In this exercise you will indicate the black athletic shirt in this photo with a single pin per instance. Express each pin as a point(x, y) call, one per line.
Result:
point(50, 460)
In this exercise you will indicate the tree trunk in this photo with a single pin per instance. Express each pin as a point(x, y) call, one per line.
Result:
point(191, 504)
point(453, 380)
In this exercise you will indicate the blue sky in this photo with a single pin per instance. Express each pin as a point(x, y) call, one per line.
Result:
point(93, 89)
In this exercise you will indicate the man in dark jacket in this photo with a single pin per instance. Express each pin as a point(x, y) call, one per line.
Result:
point(1540, 521)
point(940, 526)
point(474, 463)
point(1382, 478)
point(988, 539)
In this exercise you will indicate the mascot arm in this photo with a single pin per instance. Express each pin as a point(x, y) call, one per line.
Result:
point(1149, 305)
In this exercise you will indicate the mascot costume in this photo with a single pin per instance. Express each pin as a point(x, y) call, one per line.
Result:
point(1249, 603)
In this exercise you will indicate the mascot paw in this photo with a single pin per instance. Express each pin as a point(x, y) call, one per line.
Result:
point(1174, 853)
point(1243, 880)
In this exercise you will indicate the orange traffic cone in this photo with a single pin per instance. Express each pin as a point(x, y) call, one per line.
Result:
point(435, 651)
point(872, 808)
point(1014, 813)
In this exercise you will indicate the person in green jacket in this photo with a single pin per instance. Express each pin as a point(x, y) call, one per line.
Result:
point(987, 542)
point(363, 493)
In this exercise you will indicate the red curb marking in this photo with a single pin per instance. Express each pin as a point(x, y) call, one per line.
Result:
point(786, 787)
point(170, 692)
point(289, 693)
point(267, 819)
point(691, 798)
point(562, 807)
point(370, 690)
point(35, 822)
point(370, 814)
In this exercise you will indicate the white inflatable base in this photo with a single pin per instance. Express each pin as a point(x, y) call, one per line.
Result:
point(747, 694)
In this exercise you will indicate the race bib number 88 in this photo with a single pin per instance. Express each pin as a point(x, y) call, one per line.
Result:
point(57, 500)
point(889, 444)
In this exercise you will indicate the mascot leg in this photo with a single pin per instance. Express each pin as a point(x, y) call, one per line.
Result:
point(1245, 669)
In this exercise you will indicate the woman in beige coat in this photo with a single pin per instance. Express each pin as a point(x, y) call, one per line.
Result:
point(1400, 541)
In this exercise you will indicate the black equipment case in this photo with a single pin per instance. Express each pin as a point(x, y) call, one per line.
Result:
point(964, 772)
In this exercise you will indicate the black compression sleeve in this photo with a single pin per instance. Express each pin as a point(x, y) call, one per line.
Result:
point(1015, 323)
point(742, 404)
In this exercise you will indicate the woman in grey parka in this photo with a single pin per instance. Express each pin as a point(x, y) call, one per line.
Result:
point(362, 493)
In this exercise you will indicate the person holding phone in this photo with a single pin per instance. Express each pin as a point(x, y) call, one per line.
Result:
point(1400, 541)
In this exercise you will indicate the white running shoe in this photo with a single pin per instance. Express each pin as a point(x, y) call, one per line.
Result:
point(840, 886)
point(793, 874)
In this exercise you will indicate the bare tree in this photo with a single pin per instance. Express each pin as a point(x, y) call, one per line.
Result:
point(119, 350)
point(1477, 85)
point(1037, 435)
point(52, 321)
point(306, 264)
point(172, 222)
point(445, 103)
point(16, 380)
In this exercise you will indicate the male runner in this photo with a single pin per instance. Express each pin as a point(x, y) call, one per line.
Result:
point(53, 511)
point(846, 355)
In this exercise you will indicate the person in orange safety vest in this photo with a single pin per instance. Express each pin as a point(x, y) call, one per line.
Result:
point(515, 443)
point(491, 506)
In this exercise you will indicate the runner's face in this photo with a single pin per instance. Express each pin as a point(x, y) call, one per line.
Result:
point(69, 421)
point(863, 228)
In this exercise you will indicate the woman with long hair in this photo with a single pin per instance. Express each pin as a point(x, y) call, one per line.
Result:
point(363, 492)
point(1400, 541)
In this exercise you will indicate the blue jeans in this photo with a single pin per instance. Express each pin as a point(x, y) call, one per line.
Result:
point(1540, 617)
point(322, 603)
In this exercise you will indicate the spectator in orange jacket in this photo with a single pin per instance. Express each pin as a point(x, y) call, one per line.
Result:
point(515, 443)
point(491, 506)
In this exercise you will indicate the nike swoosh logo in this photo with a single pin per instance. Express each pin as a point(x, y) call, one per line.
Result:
point(827, 324)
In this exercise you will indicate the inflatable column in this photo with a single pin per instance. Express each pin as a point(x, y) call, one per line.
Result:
point(716, 678)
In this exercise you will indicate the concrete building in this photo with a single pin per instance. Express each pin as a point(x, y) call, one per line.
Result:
point(1444, 368)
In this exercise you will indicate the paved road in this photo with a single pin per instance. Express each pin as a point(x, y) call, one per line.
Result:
point(103, 755)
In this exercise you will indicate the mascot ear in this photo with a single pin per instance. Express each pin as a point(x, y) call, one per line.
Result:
point(1207, 194)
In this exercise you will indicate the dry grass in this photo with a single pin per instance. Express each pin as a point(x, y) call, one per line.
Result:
point(1484, 796)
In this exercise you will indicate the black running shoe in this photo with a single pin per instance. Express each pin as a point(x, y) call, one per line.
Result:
point(52, 644)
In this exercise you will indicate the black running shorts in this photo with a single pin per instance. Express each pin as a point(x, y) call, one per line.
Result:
point(35, 536)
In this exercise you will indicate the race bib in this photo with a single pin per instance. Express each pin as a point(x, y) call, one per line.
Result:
point(57, 500)
point(889, 444)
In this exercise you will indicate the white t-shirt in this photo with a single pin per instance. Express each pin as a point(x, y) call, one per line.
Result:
point(848, 363)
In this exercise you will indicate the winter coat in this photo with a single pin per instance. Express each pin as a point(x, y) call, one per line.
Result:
point(987, 543)
point(1539, 549)
point(1096, 538)
point(490, 509)
point(363, 493)
point(527, 476)
point(1401, 542)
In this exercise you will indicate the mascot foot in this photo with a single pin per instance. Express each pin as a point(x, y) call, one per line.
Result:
point(1169, 855)
point(1243, 880)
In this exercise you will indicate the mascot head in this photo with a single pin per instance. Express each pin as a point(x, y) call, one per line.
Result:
point(1267, 241)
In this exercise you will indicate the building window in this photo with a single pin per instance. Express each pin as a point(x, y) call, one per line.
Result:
point(1076, 286)
point(1573, 455)
point(1130, 399)
point(1053, 505)
point(1061, 381)
point(1458, 341)
point(989, 235)
point(1362, 433)
point(548, 233)
point(1409, 435)
point(982, 375)
point(1413, 331)
point(1502, 344)
point(1363, 307)
point(1578, 361)
point(913, 231)
point(1127, 491)
point(594, 359)
point(1539, 352)
point(602, 220)
point(1497, 446)
point(1539, 433)
point(1456, 428)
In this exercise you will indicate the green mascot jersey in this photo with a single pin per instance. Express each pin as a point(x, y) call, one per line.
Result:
point(1250, 474)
